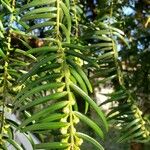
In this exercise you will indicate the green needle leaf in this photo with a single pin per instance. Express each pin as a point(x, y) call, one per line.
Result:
point(44, 112)
point(90, 139)
point(91, 102)
point(44, 126)
point(91, 123)
point(15, 145)
point(44, 99)
point(53, 145)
